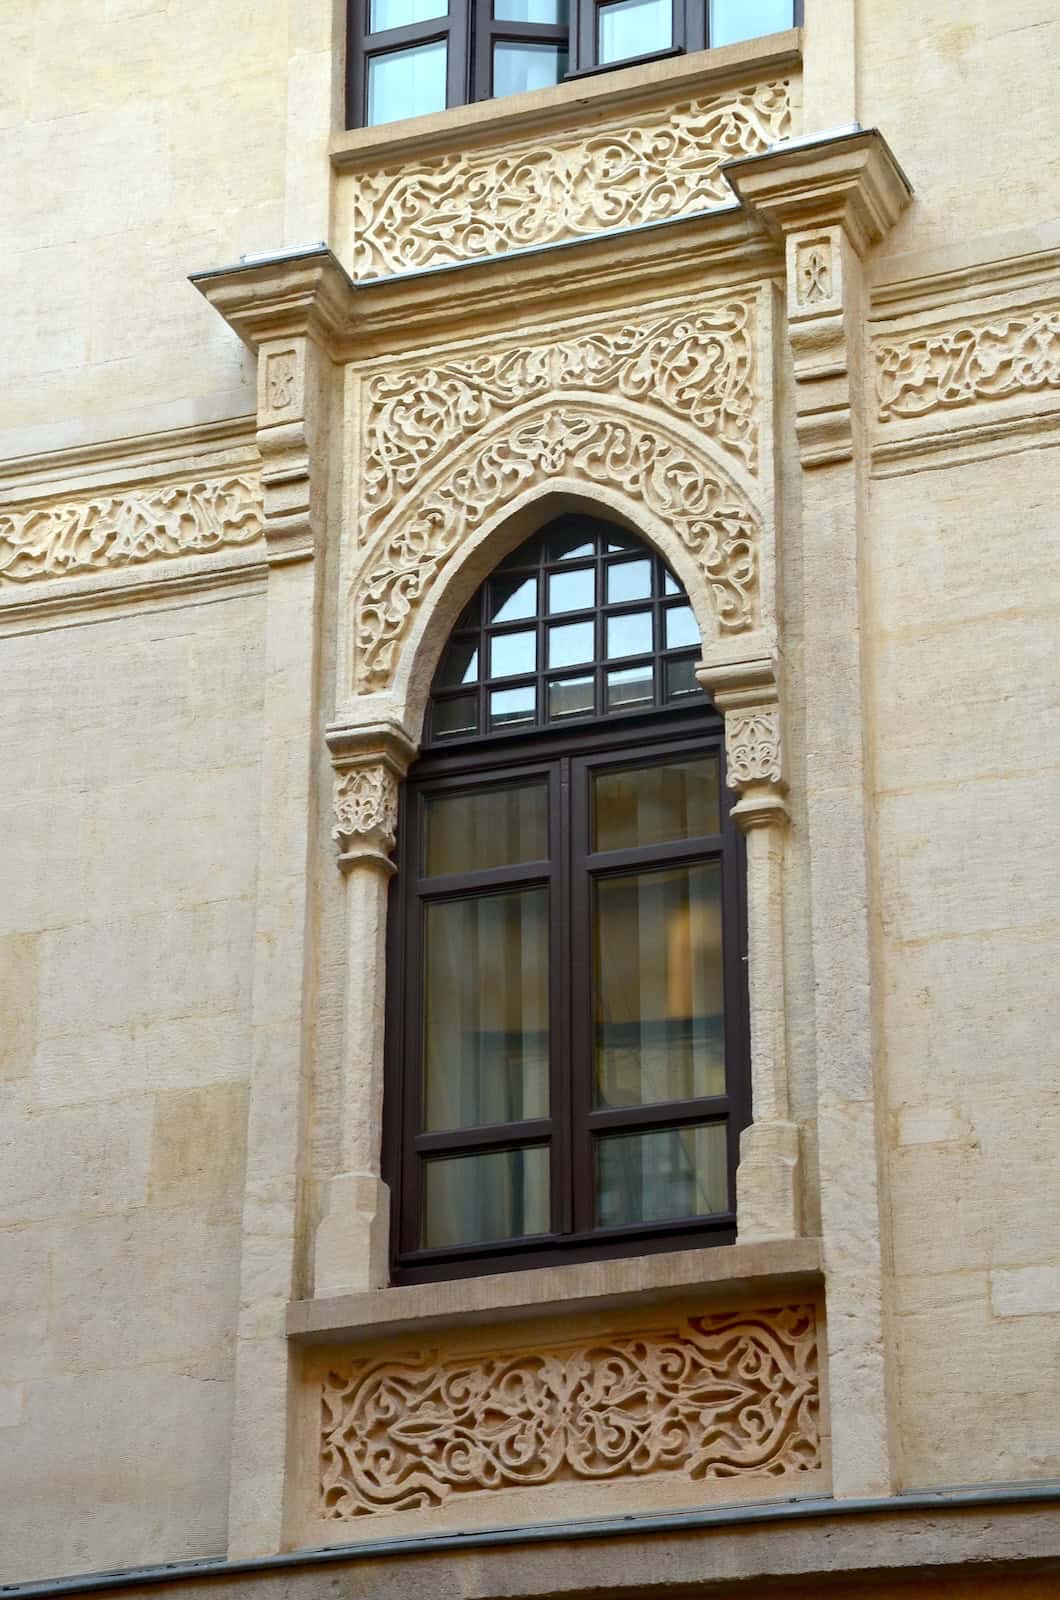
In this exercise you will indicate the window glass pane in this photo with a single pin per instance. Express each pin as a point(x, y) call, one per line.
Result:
point(399, 13)
point(526, 66)
point(512, 653)
point(485, 1021)
point(572, 591)
point(509, 706)
point(459, 715)
point(630, 686)
point(570, 697)
point(670, 584)
point(459, 664)
point(634, 28)
point(570, 544)
point(649, 805)
point(653, 1177)
point(570, 643)
point(531, 11)
point(512, 598)
point(471, 1199)
point(406, 83)
point(628, 580)
point(681, 678)
point(629, 635)
point(681, 627)
point(658, 986)
point(731, 20)
point(488, 828)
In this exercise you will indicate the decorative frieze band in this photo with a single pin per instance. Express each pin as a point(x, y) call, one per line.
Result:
point(714, 1397)
point(488, 202)
point(986, 359)
point(120, 530)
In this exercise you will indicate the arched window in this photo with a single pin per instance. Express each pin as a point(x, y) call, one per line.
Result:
point(566, 1034)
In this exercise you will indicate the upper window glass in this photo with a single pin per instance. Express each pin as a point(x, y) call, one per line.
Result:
point(581, 621)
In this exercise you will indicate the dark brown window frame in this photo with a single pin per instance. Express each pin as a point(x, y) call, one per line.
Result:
point(562, 752)
point(471, 32)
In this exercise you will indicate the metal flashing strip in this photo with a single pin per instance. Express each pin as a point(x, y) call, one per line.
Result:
point(958, 1498)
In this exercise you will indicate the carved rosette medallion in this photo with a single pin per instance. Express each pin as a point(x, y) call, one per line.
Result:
point(487, 202)
point(366, 810)
point(96, 535)
point(713, 519)
point(726, 1396)
point(1008, 354)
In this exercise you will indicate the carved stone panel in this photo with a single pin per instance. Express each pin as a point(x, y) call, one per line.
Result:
point(719, 1399)
point(121, 530)
point(487, 202)
point(983, 359)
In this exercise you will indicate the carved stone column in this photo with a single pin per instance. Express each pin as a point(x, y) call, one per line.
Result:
point(767, 1180)
point(832, 200)
point(353, 1235)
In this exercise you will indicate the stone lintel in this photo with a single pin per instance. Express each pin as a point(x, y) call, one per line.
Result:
point(849, 179)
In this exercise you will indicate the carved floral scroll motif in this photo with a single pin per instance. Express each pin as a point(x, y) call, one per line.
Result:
point(698, 364)
point(712, 518)
point(752, 746)
point(1008, 355)
point(366, 806)
point(716, 1397)
point(488, 202)
point(128, 529)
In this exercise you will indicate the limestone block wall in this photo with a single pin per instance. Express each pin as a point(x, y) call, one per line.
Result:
point(129, 789)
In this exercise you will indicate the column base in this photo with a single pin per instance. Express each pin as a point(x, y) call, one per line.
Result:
point(353, 1237)
point(767, 1182)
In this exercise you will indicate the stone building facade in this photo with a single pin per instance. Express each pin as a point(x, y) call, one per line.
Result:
point(281, 395)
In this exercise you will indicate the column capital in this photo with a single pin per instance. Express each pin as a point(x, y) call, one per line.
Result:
point(369, 763)
point(748, 696)
point(848, 179)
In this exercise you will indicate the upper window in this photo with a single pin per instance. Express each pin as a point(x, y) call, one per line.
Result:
point(410, 57)
point(566, 1037)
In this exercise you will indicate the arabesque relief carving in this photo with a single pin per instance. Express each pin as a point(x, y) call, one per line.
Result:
point(1010, 354)
point(752, 746)
point(487, 202)
point(711, 517)
point(721, 1396)
point(699, 364)
point(123, 530)
point(366, 806)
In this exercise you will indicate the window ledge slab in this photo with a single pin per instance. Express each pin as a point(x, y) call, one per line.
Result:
point(727, 1275)
point(461, 128)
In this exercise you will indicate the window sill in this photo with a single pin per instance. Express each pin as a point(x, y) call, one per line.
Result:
point(465, 127)
point(729, 1275)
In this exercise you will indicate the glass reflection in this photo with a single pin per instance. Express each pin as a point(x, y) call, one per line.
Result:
point(629, 635)
point(458, 715)
point(659, 1032)
point(681, 627)
point(681, 678)
point(518, 67)
point(486, 1010)
point(406, 83)
point(459, 664)
point(400, 13)
point(572, 591)
point(512, 705)
point(732, 20)
point(634, 28)
point(473, 1199)
point(488, 828)
point(650, 805)
point(513, 653)
point(511, 599)
point(659, 1176)
point(629, 580)
point(531, 11)
point(570, 697)
point(570, 643)
point(630, 686)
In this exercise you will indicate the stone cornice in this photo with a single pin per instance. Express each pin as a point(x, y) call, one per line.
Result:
point(295, 293)
point(848, 179)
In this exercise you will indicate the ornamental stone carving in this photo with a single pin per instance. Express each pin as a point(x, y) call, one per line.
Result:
point(699, 364)
point(487, 202)
point(366, 808)
point(987, 360)
point(724, 1396)
point(711, 517)
point(94, 535)
point(752, 746)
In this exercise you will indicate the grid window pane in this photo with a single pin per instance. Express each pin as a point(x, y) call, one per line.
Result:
point(511, 706)
point(521, 66)
point(459, 664)
point(512, 599)
point(660, 1176)
point(473, 1199)
point(630, 686)
point(513, 653)
point(406, 83)
point(634, 28)
point(572, 591)
point(556, 11)
point(657, 962)
point(681, 627)
point(384, 14)
point(732, 20)
point(629, 635)
point(487, 828)
point(651, 805)
point(571, 697)
point(681, 678)
point(628, 580)
point(485, 1021)
point(459, 715)
point(570, 643)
